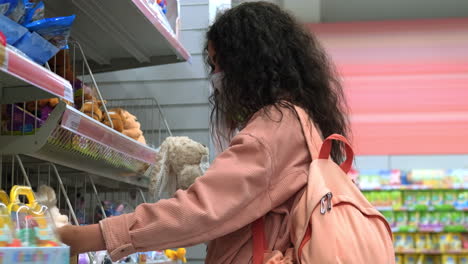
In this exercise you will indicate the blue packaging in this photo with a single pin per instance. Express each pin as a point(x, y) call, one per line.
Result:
point(12, 30)
point(18, 12)
point(7, 6)
point(36, 47)
point(56, 30)
point(33, 13)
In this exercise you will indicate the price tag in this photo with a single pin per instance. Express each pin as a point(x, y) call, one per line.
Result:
point(68, 93)
point(3, 51)
point(72, 121)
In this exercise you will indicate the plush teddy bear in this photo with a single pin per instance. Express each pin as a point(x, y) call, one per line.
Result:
point(93, 109)
point(132, 128)
point(182, 160)
point(45, 195)
point(116, 115)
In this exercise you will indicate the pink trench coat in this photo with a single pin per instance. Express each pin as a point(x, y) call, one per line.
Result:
point(261, 173)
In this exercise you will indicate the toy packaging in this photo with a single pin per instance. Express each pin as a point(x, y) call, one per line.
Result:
point(399, 259)
point(55, 30)
point(450, 198)
point(33, 12)
point(410, 200)
point(463, 259)
point(396, 197)
point(449, 259)
point(19, 121)
point(413, 221)
point(411, 259)
point(423, 200)
point(401, 219)
point(437, 198)
point(12, 30)
point(26, 233)
point(36, 47)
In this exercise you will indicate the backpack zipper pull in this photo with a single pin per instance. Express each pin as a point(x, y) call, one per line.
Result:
point(328, 206)
point(329, 200)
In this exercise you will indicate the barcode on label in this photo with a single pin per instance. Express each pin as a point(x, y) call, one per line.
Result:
point(72, 122)
point(74, 125)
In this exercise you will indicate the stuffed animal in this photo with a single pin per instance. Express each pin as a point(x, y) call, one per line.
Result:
point(45, 195)
point(116, 115)
point(31, 105)
point(132, 128)
point(182, 160)
point(93, 109)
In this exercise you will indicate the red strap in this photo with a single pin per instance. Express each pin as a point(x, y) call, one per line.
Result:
point(326, 149)
point(259, 241)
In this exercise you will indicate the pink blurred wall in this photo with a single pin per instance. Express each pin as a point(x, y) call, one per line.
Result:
point(406, 83)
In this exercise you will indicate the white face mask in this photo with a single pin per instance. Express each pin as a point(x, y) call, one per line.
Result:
point(217, 81)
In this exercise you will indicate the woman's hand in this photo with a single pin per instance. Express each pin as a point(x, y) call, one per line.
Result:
point(82, 239)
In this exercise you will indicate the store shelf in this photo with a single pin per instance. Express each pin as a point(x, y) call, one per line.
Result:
point(433, 252)
point(413, 187)
point(119, 35)
point(403, 209)
point(74, 140)
point(24, 80)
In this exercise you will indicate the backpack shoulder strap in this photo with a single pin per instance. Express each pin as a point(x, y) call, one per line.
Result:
point(311, 134)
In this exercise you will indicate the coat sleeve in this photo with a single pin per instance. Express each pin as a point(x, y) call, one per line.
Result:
point(232, 194)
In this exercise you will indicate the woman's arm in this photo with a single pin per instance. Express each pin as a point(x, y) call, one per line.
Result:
point(231, 194)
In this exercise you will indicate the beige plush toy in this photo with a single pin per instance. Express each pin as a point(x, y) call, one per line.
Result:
point(45, 195)
point(132, 128)
point(182, 161)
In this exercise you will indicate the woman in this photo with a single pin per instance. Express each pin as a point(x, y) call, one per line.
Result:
point(262, 63)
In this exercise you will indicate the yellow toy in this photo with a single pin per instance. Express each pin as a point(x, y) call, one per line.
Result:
point(4, 199)
point(6, 228)
point(179, 254)
point(36, 229)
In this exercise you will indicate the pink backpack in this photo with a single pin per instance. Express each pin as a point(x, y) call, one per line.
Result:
point(332, 222)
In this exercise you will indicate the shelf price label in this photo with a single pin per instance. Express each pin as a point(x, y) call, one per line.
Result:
point(3, 51)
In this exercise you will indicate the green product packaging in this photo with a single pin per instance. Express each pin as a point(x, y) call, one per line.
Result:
point(396, 197)
point(413, 220)
point(423, 198)
point(378, 198)
point(371, 197)
point(437, 198)
point(401, 218)
point(450, 198)
point(410, 199)
point(424, 218)
point(445, 218)
point(389, 216)
point(456, 218)
point(385, 199)
point(434, 218)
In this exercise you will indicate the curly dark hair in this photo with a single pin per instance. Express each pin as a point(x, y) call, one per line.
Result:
point(268, 58)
